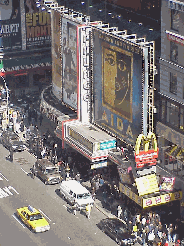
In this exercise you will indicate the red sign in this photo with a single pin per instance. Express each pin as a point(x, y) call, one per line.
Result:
point(175, 39)
point(146, 158)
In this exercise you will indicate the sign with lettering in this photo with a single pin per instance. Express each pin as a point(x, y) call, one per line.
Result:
point(162, 199)
point(175, 38)
point(147, 184)
point(38, 26)
point(10, 26)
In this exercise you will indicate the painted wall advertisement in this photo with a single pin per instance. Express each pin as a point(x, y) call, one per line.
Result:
point(10, 25)
point(117, 86)
point(38, 26)
point(56, 54)
point(69, 41)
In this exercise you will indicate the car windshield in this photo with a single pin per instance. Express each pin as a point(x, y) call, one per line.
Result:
point(84, 196)
point(35, 217)
point(121, 229)
point(51, 170)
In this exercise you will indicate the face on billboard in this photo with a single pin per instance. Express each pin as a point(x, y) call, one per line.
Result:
point(117, 73)
point(117, 80)
point(69, 63)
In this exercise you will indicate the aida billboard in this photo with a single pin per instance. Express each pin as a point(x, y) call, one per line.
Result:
point(117, 72)
point(69, 74)
point(56, 54)
point(38, 26)
point(10, 25)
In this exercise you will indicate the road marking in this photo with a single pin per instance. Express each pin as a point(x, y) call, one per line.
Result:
point(11, 188)
point(18, 220)
point(8, 192)
point(4, 177)
point(44, 214)
point(24, 171)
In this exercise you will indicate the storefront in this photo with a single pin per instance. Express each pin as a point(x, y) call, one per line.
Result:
point(90, 141)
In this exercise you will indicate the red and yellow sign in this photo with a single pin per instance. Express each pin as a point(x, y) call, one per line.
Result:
point(149, 155)
point(162, 199)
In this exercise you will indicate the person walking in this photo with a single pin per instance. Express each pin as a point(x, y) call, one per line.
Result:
point(11, 154)
point(75, 207)
point(119, 211)
point(88, 210)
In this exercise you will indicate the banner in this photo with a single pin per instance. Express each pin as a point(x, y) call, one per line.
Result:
point(166, 184)
point(38, 26)
point(10, 25)
point(162, 199)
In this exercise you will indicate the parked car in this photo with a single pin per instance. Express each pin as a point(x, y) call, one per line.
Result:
point(11, 141)
point(48, 172)
point(33, 219)
point(117, 230)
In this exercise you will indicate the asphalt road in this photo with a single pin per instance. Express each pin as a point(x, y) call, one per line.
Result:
point(17, 190)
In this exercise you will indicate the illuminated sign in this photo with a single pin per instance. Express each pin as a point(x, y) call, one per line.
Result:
point(146, 157)
point(108, 145)
point(99, 165)
point(147, 184)
point(162, 199)
point(175, 38)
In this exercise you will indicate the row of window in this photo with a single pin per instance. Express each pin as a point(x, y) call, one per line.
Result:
point(172, 113)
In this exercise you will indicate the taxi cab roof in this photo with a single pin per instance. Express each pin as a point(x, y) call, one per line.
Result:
point(29, 210)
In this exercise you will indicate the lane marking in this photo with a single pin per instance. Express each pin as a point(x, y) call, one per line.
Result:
point(44, 214)
point(18, 220)
point(24, 171)
point(11, 188)
point(4, 177)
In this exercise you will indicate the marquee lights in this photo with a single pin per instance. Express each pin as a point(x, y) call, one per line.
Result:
point(174, 64)
point(173, 99)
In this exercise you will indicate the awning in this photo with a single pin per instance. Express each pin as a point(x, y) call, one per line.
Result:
point(152, 199)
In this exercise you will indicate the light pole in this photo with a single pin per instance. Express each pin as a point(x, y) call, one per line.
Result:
point(7, 99)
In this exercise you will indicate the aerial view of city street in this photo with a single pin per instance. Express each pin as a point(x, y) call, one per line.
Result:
point(92, 122)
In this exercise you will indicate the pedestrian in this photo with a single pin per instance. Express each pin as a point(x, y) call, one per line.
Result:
point(88, 210)
point(125, 214)
point(143, 221)
point(119, 211)
point(75, 207)
point(11, 154)
point(77, 177)
point(170, 231)
point(144, 237)
point(40, 119)
point(151, 237)
point(175, 234)
point(134, 229)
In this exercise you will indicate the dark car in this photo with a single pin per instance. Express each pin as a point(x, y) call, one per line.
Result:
point(117, 230)
point(11, 141)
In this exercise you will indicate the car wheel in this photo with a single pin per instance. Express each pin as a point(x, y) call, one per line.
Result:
point(118, 241)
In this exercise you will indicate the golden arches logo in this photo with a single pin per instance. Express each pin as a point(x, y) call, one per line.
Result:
point(146, 142)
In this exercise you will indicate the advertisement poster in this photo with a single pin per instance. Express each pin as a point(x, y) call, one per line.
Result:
point(117, 73)
point(10, 25)
point(56, 54)
point(166, 184)
point(38, 26)
point(147, 184)
point(69, 41)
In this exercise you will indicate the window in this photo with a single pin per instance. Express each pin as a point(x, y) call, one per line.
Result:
point(173, 52)
point(175, 16)
point(181, 126)
point(173, 83)
point(172, 114)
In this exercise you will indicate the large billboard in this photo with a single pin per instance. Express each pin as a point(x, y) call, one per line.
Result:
point(117, 72)
point(10, 25)
point(56, 53)
point(69, 74)
point(38, 26)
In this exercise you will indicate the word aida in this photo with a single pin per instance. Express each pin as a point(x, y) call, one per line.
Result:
point(7, 191)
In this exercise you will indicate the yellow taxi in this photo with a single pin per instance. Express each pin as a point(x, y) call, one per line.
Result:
point(33, 219)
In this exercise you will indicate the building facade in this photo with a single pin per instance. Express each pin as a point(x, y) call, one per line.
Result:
point(170, 124)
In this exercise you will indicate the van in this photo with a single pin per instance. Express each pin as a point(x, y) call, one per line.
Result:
point(47, 171)
point(74, 192)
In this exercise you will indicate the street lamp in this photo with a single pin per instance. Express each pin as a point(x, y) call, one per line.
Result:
point(7, 99)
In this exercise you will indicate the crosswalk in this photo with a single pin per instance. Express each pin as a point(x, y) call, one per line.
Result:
point(6, 191)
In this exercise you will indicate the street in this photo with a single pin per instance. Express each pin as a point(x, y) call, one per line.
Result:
point(18, 190)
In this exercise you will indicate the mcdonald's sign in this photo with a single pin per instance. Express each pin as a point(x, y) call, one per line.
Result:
point(146, 150)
